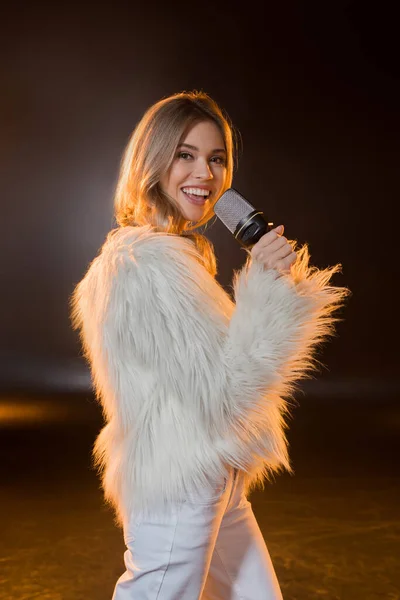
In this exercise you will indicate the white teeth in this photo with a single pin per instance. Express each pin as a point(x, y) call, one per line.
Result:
point(196, 191)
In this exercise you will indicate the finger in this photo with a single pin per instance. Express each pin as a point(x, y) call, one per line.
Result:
point(278, 249)
point(285, 263)
point(271, 244)
point(268, 238)
point(277, 244)
point(276, 259)
point(283, 251)
point(280, 246)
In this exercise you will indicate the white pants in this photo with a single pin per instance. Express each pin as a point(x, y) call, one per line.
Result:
point(209, 547)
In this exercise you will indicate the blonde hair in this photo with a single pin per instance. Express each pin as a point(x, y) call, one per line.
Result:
point(139, 199)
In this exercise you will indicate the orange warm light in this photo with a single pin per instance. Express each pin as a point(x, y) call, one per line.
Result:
point(18, 411)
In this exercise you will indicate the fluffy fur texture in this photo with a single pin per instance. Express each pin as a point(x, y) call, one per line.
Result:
point(190, 381)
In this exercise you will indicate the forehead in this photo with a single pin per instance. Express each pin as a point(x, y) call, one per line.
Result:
point(204, 133)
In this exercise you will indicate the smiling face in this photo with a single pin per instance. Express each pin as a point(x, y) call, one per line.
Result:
point(197, 174)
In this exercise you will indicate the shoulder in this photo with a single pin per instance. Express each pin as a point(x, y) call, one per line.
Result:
point(143, 240)
point(144, 244)
point(139, 266)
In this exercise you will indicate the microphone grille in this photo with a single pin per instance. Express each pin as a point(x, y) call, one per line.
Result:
point(231, 208)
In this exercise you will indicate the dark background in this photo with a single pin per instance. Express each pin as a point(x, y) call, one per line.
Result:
point(314, 90)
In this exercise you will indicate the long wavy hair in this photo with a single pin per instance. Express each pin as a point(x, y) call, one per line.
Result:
point(139, 199)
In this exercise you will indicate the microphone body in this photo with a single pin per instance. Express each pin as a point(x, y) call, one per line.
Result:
point(246, 223)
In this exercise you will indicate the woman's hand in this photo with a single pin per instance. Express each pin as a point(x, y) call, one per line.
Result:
point(274, 251)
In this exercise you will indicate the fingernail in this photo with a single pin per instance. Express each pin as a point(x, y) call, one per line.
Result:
point(279, 229)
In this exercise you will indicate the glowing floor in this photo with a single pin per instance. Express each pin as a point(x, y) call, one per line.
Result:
point(332, 529)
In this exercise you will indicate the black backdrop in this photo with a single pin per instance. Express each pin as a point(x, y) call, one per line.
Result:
point(313, 89)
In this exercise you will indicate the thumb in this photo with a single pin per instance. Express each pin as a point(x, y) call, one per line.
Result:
point(279, 230)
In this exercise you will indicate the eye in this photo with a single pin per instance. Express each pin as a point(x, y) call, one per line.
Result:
point(220, 159)
point(184, 155)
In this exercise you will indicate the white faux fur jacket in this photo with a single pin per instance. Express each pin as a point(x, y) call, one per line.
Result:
point(190, 381)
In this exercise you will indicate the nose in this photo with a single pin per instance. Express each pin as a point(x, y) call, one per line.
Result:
point(203, 170)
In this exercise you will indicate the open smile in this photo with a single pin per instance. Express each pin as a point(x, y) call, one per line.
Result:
point(196, 196)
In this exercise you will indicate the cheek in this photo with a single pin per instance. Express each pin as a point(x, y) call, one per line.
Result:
point(221, 178)
point(179, 173)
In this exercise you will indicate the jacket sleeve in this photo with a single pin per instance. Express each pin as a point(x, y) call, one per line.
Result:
point(160, 333)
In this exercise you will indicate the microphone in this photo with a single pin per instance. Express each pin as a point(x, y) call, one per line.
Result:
point(246, 223)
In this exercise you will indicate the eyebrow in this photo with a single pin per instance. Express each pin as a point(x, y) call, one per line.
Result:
point(195, 148)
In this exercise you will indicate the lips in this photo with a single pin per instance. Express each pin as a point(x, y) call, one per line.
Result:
point(194, 199)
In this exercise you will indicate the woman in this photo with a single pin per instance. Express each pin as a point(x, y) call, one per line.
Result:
point(194, 386)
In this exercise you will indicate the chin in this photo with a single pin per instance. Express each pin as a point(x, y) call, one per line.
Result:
point(193, 213)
